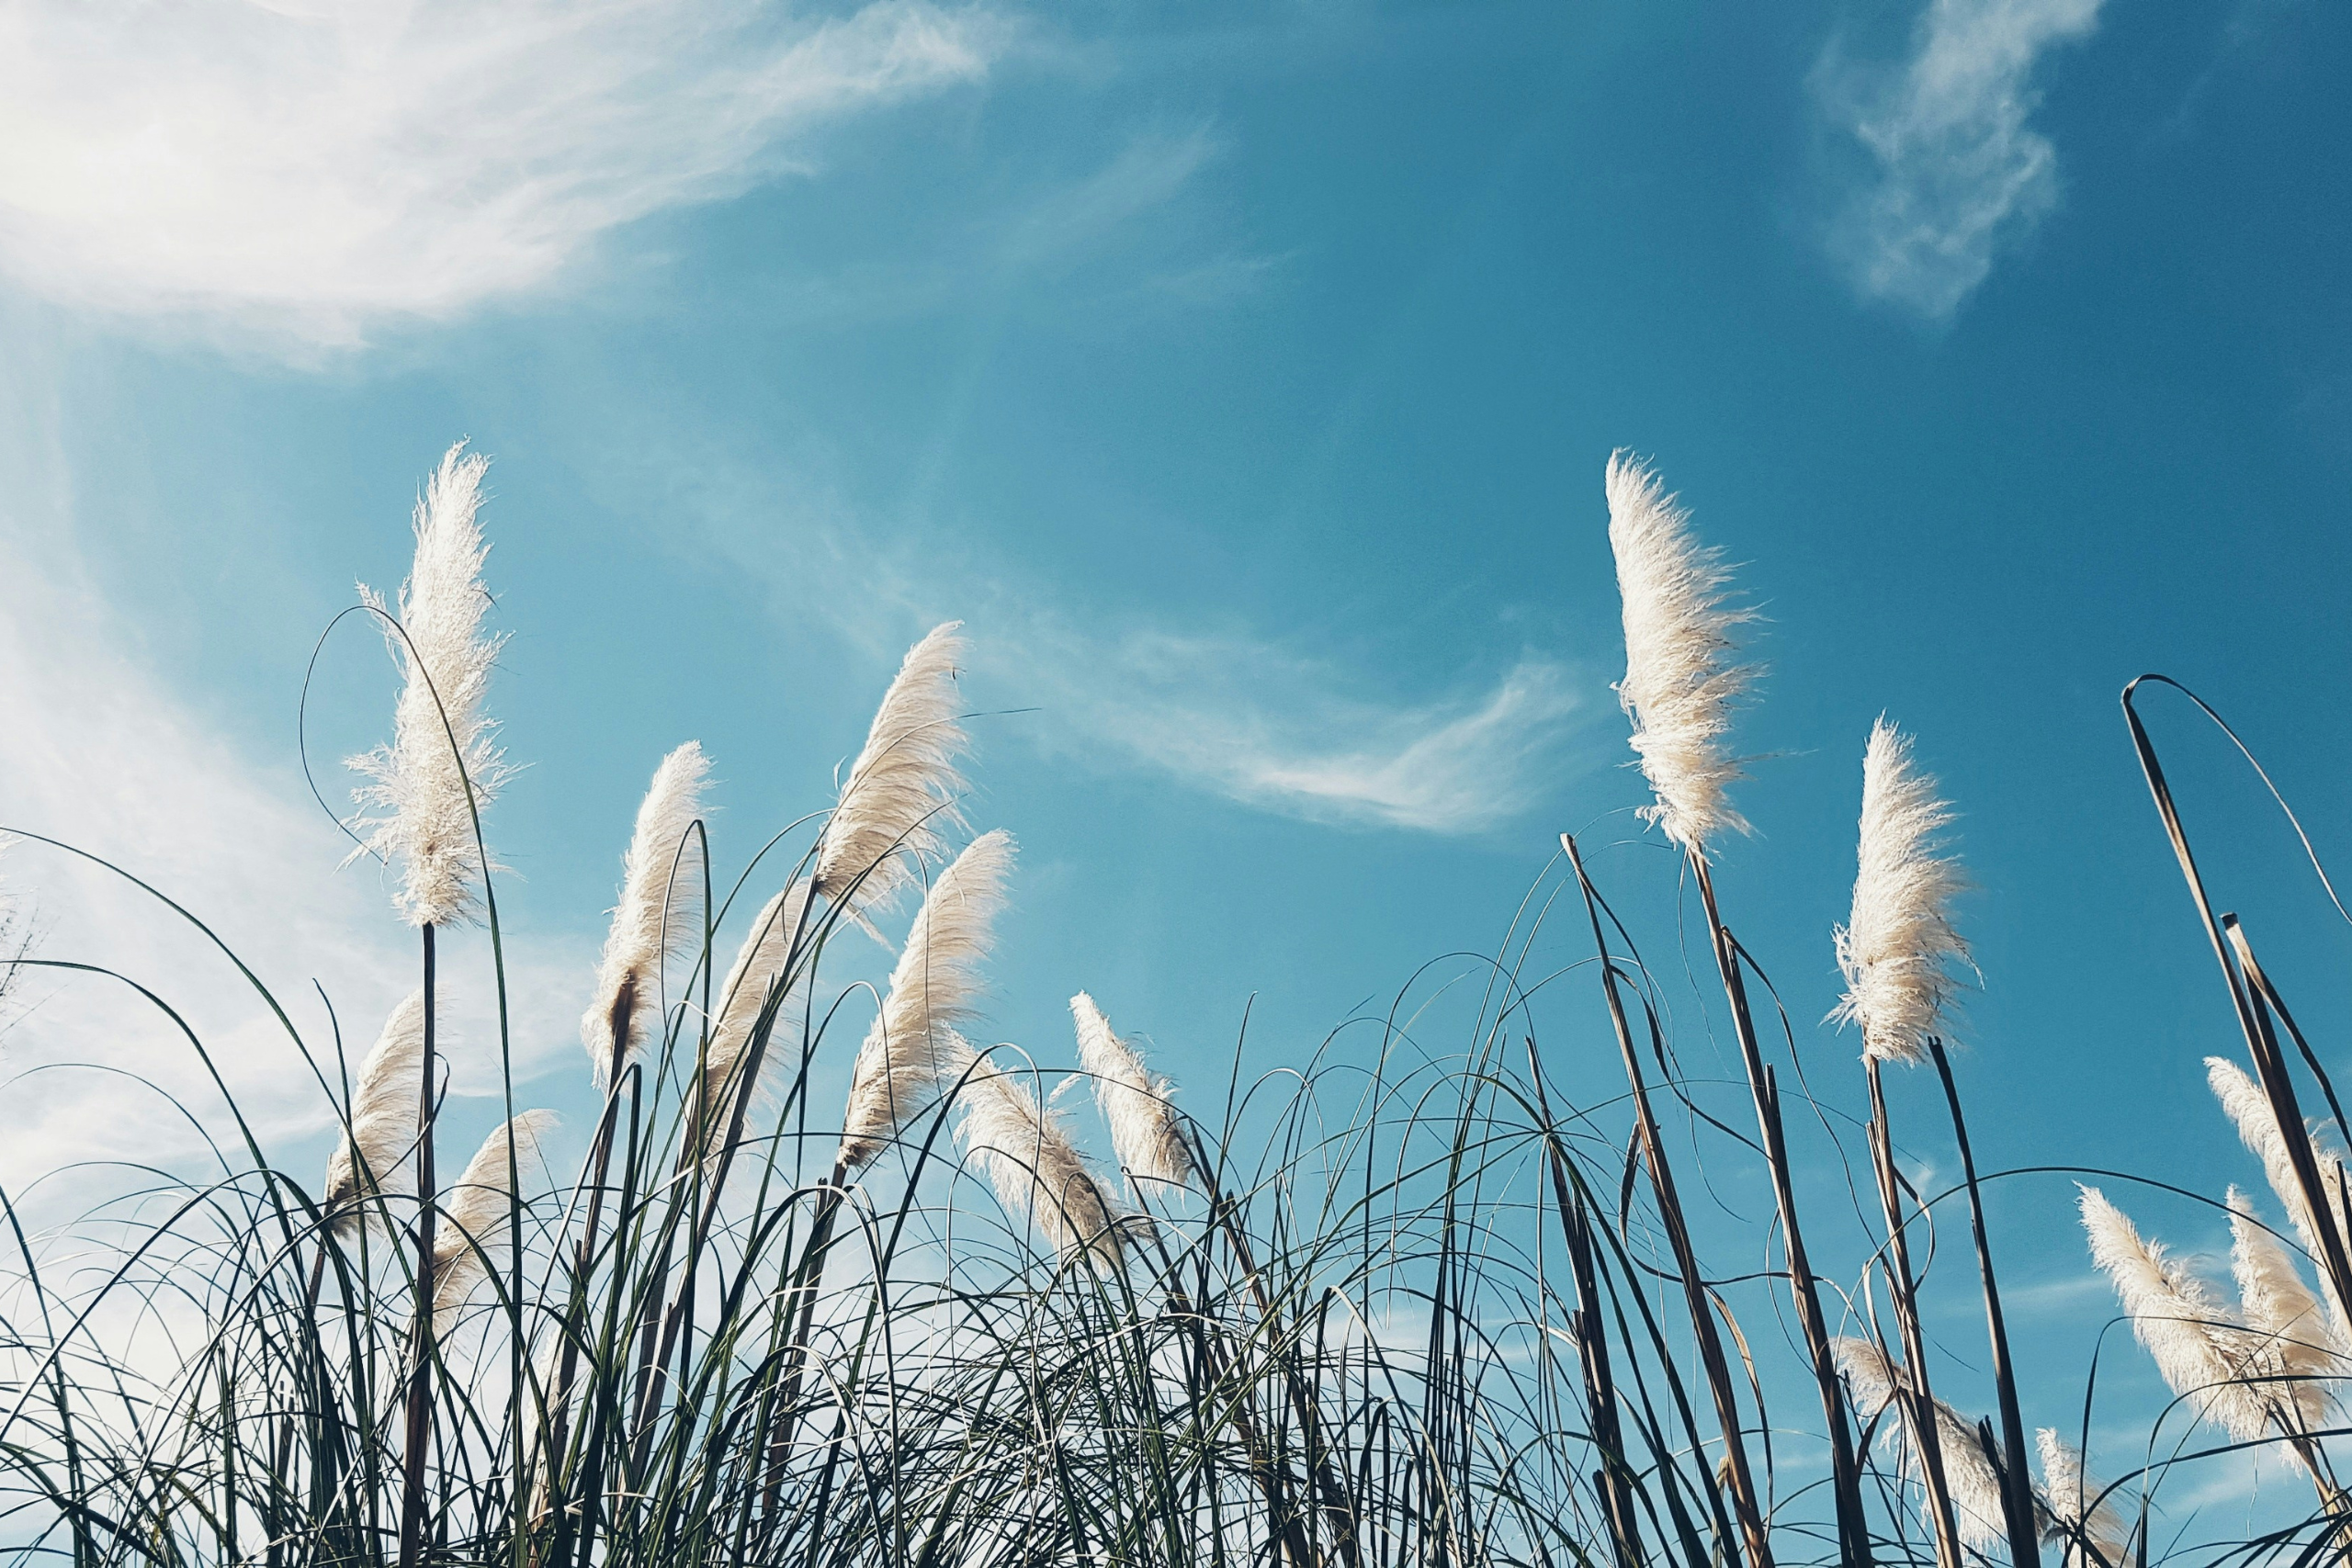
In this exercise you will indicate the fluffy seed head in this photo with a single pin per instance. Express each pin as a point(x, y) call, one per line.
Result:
point(1136, 1104)
point(477, 1211)
point(1680, 678)
point(384, 1101)
point(1022, 1145)
point(2249, 1111)
point(2202, 1351)
point(760, 965)
point(659, 916)
point(1970, 1478)
point(900, 792)
point(2068, 1496)
point(934, 988)
point(422, 820)
point(2289, 1355)
point(1900, 949)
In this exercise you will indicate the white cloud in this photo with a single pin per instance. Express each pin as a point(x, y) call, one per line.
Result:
point(310, 169)
point(1248, 719)
point(1232, 710)
point(1957, 171)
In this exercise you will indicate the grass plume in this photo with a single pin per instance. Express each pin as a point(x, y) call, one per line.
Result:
point(934, 988)
point(383, 1125)
point(659, 916)
point(443, 766)
point(1899, 948)
point(1137, 1105)
point(1681, 680)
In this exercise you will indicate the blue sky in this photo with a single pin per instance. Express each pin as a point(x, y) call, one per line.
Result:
point(1243, 377)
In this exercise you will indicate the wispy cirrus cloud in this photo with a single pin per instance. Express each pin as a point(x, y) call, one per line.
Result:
point(308, 170)
point(1246, 717)
point(1274, 718)
point(1956, 173)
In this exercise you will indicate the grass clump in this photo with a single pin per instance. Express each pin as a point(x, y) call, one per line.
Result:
point(1399, 1306)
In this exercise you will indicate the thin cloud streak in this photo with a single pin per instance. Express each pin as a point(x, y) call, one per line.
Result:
point(1234, 711)
point(305, 173)
point(1957, 175)
point(1245, 718)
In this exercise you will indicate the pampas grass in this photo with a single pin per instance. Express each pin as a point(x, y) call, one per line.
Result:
point(382, 1126)
point(2202, 1351)
point(659, 915)
point(759, 969)
point(1365, 1344)
point(443, 766)
point(2288, 1353)
point(900, 792)
point(934, 988)
point(1898, 951)
point(1969, 1476)
point(2249, 1112)
point(1137, 1105)
point(1024, 1146)
point(2077, 1511)
point(1681, 681)
point(479, 1211)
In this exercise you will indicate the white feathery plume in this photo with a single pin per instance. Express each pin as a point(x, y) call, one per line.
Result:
point(426, 823)
point(1137, 1105)
point(1022, 1145)
point(935, 986)
point(1969, 1477)
point(759, 963)
point(1898, 951)
point(659, 916)
point(2289, 1339)
point(2201, 1349)
point(383, 1118)
point(2066, 1492)
point(477, 1211)
point(1869, 1376)
point(2248, 1108)
point(1681, 680)
point(901, 790)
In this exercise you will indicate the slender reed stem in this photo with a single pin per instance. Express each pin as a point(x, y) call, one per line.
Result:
point(2016, 1489)
point(420, 1388)
point(1591, 1333)
point(1853, 1531)
point(1911, 1392)
point(1712, 1360)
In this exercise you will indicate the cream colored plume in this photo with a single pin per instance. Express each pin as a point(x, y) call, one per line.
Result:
point(1136, 1104)
point(2248, 1109)
point(2289, 1340)
point(2067, 1492)
point(900, 792)
point(1899, 949)
point(1969, 1476)
point(424, 822)
point(660, 913)
point(1024, 1147)
point(934, 988)
point(1680, 678)
point(2201, 1349)
point(760, 963)
point(385, 1098)
point(476, 1212)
